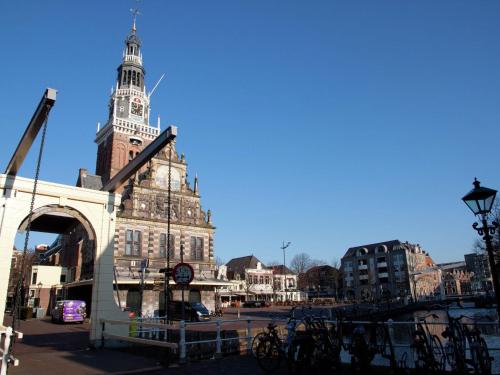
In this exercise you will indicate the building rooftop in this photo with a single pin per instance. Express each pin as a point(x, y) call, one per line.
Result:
point(382, 247)
point(278, 270)
point(238, 265)
point(451, 265)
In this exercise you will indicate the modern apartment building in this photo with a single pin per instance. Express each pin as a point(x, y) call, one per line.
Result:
point(386, 270)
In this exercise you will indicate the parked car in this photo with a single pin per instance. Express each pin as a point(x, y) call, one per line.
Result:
point(256, 303)
point(193, 311)
point(69, 311)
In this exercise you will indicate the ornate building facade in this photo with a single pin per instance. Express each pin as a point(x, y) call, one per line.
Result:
point(141, 238)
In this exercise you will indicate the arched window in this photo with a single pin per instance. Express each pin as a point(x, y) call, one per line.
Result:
point(138, 79)
point(133, 77)
point(129, 75)
point(124, 77)
point(194, 295)
point(255, 280)
point(261, 280)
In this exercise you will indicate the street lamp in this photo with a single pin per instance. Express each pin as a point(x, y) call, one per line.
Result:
point(480, 200)
point(283, 247)
point(39, 285)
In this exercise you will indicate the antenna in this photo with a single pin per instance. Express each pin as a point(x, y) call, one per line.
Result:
point(155, 86)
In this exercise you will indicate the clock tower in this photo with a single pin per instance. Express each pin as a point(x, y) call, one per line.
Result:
point(127, 130)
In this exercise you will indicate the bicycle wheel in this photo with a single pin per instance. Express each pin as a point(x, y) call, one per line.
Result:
point(483, 357)
point(268, 355)
point(257, 339)
point(324, 356)
point(384, 345)
point(438, 354)
point(300, 355)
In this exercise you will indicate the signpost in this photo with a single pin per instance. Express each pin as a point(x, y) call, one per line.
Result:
point(183, 274)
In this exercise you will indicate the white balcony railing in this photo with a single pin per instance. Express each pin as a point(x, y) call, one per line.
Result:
point(363, 267)
point(363, 277)
point(382, 264)
point(132, 58)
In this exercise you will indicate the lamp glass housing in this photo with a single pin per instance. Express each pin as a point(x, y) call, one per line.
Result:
point(480, 199)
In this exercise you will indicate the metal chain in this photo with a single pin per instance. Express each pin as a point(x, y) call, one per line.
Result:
point(22, 278)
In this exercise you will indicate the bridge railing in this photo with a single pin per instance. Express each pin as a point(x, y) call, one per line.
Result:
point(399, 332)
point(7, 334)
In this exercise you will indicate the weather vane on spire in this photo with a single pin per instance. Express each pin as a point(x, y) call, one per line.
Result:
point(135, 12)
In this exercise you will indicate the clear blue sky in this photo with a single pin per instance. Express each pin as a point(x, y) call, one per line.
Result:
point(329, 124)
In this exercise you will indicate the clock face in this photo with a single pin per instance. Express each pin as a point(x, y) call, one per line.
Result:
point(162, 178)
point(137, 108)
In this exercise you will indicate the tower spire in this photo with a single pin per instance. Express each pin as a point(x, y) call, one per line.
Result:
point(196, 183)
point(135, 12)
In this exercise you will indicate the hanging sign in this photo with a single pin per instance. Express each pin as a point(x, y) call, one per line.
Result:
point(183, 274)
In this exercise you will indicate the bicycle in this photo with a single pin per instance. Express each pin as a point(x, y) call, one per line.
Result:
point(379, 342)
point(268, 347)
point(455, 348)
point(480, 360)
point(428, 352)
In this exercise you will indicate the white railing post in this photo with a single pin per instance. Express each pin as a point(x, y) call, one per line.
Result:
point(5, 354)
point(390, 327)
point(182, 341)
point(218, 343)
point(249, 336)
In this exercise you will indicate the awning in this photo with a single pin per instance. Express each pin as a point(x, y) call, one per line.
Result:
point(137, 281)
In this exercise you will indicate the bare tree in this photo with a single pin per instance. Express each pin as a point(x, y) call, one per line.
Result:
point(335, 263)
point(219, 262)
point(300, 263)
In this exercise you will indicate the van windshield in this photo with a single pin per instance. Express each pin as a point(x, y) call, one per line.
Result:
point(200, 307)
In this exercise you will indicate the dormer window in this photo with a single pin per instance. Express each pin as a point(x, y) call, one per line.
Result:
point(362, 252)
point(381, 249)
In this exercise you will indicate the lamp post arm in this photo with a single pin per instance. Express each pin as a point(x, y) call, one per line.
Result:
point(485, 232)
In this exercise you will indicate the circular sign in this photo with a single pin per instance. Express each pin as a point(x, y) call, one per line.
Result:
point(183, 274)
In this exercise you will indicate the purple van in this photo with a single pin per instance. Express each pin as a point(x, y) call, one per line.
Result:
point(69, 311)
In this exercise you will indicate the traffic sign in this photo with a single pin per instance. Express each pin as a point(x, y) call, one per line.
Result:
point(183, 274)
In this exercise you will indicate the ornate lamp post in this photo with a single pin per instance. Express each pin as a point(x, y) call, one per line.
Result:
point(480, 200)
point(283, 247)
point(39, 286)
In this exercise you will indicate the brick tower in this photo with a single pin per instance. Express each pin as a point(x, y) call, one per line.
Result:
point(127, 130)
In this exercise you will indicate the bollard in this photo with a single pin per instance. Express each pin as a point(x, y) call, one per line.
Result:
point(218, 343)
point(5, 356)
point(182, 341)
point(249, 336)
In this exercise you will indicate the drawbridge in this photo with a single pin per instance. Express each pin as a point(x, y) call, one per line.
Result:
point(30, 204)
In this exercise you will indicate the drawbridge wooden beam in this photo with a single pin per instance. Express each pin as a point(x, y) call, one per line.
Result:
point(144, 156)
point(34, 126)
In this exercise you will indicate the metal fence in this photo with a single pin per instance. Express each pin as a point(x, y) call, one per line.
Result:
point(156, 333)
